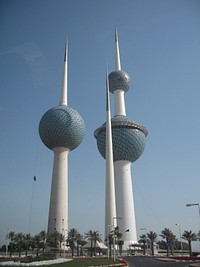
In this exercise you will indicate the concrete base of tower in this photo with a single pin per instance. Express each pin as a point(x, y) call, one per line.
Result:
point(130, 247)
point(124, 201)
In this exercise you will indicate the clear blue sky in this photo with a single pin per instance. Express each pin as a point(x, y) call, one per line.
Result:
point(160, 50)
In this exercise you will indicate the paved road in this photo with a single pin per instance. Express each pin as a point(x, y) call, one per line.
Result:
point(136, 261)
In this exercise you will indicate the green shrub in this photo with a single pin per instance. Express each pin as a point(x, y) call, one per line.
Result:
point(42, 257)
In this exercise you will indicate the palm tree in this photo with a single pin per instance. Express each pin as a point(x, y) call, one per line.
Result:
point(120, 243)
point(110, 242)
point(170, 238)
point(52, 240)
point(19, 242)
point(61, 239)
point(117, 232)
point(96, 238)
point(152, 237)
point(89, 237)
point(11, 236)
point(93, 237)
point(43, 237)
point(37, 243)
point(72, 238)
point(143, 241)
point(79, 242)
point(27, 243)
point(198, 235)
point(32, 244)
point(189, 236)
point(117, 235)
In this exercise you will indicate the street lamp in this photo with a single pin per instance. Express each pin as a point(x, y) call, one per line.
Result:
point(195, 204)
point(146, 238)
point(177, 224)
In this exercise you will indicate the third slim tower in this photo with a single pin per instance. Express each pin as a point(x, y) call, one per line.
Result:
point(128, 139)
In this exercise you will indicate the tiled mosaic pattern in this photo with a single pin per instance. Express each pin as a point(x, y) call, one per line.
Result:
point(128, 139)
point(119, 80)
point(62, 126)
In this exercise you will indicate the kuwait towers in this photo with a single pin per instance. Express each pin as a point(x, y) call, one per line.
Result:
point(61, 129)
point(128, 140)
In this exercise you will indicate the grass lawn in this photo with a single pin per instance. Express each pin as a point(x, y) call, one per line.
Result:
point(83, 263)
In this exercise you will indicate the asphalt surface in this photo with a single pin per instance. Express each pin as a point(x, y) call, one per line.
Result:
point(142, 261)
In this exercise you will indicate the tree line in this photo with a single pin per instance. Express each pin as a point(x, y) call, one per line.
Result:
point(170, 241)
point(25, 243)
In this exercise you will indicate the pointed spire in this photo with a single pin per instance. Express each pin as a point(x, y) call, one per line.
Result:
point(63, 98)
point(107, 91)
point(117, 54)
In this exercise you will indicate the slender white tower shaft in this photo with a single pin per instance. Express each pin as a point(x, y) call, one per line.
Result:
point(119, 101)
point(125, 201)
point(58, 210)
point(110, 205)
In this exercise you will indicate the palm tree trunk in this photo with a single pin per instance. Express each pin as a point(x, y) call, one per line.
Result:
point(60, 248)
point(167, 249)
point(143, 248)
point(152, 248)
point(190, 248)
point(95, 249)
point(172, 250)
point(91, 246)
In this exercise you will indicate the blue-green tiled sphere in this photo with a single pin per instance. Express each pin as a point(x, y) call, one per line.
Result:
point(119, 80)
point(128, 139)
point(62, 126)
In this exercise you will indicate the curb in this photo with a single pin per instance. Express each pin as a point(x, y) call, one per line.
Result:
point(122, 263)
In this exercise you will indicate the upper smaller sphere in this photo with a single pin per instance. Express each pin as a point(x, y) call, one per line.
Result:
point(62, 126)
point(119, 80)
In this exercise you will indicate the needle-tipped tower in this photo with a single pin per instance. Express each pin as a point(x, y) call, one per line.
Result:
point(63, 98)
point(117, 56)
point(128, 139)
point(61, 129)
point(110, 205)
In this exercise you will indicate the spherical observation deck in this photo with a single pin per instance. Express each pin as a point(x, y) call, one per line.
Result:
point(128, 139)
point(119, 80)
point(62, 126)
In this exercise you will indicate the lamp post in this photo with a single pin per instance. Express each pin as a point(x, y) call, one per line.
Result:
point(145, 229)
point(195, 204)
point(177, 224)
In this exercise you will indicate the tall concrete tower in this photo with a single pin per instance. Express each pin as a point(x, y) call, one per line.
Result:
point(128, 139)
point(61, 129)
point(110, 201)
